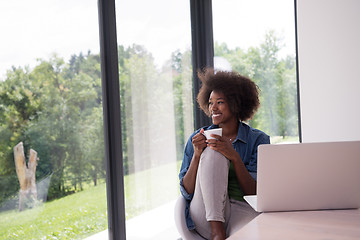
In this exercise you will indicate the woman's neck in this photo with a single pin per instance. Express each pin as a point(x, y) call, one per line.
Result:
point(230, 129)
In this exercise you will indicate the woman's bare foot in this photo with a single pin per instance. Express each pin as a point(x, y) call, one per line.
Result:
point(217, 230)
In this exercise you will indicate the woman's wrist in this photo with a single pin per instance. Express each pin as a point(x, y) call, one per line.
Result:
point(196, 157)
point(197, 154)
point(236, 159)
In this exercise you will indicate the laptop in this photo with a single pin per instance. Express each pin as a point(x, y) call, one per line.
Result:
point(307, 176)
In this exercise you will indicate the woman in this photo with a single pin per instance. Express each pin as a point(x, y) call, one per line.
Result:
point(216, 173)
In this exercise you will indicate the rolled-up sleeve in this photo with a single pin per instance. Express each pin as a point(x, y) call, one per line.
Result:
point(252, 166)
point(184, 193)
point(188, 153)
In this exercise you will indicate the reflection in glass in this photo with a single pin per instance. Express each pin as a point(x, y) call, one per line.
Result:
point(51, 109)
point(156, 105)
point(257, 39)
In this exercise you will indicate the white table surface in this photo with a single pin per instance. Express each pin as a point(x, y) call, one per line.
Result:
point(303, 225)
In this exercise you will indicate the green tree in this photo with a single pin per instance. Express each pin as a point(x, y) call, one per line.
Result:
point(93, 145)
point(276, 79)
point(53, 109)
point(19, 105)
point(126, 109)
point(176, 66)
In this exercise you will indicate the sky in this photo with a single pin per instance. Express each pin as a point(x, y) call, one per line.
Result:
point(33, 29)
point(37, 29)
point(243, 23)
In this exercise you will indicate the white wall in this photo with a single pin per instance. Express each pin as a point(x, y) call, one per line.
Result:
point(329, 69)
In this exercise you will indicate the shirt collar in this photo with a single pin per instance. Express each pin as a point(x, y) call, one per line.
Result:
point(242, 133)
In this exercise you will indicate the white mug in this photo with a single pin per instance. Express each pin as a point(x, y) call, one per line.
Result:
point(216, 131)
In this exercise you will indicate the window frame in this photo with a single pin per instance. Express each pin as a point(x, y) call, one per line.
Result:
point(112, 120)
point(202, 50)
point(297, 71)
point(202, 56)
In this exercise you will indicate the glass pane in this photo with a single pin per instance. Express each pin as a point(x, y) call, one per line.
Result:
point(154, 41)
point(257, 39)
point(52, 174)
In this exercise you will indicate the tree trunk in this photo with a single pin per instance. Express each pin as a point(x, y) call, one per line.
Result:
point(26, 175)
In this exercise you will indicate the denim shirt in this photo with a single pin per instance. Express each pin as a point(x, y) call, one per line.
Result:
point(246, 143)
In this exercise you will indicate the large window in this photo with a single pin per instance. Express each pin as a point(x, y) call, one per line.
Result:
point(257, 39)
point(154, 46)
point(51, 106)
point(50, 102)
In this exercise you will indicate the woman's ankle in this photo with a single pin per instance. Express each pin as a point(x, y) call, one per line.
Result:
point(217, 230)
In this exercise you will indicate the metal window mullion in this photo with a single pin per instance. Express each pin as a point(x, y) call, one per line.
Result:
point(297, 73)
point(112, 120)
point(202, 50)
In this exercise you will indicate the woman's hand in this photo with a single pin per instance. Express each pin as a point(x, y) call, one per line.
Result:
point(222, 145)
point(199, 143)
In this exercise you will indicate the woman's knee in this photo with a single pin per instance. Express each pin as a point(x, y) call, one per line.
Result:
point(214, 158)
point(213, 164)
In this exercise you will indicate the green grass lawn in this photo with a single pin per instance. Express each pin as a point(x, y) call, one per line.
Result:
point(85, 213)
point(67, 218)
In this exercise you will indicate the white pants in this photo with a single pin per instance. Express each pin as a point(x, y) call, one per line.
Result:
point(211, 201)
